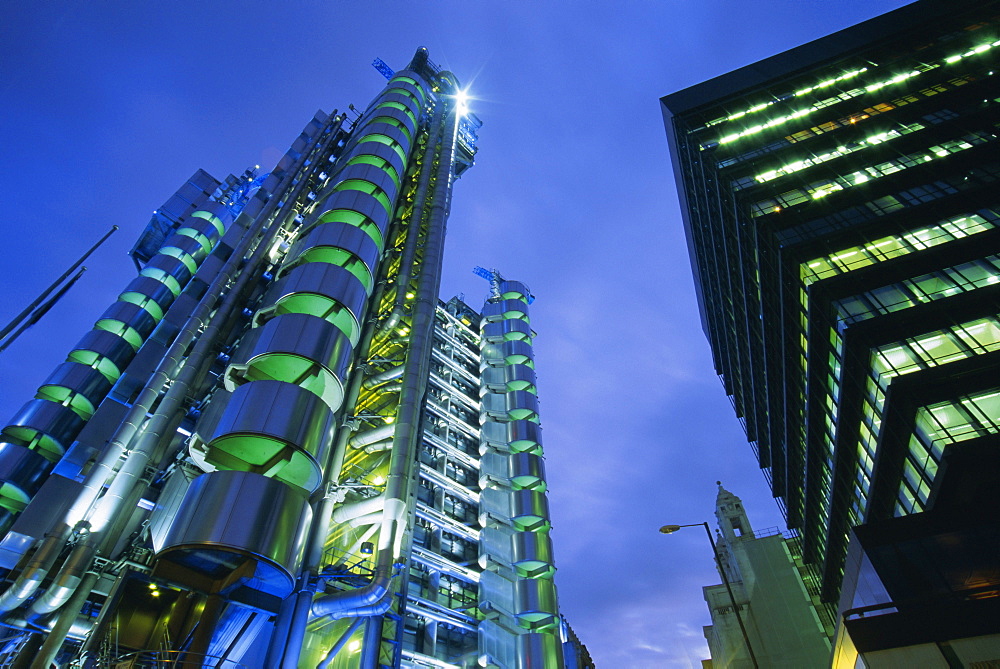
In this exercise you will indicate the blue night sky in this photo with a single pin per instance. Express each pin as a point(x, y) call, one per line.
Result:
point(108, 107)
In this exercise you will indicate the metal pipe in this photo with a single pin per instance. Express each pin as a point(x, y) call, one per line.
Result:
point(371, 436)
point(379, 446)
point(42, 310)
point(346, 512)
point(412, 233)
point(291, 624)
point(38, 300)
point(383, 377)
point(375, 598)
point(190, 366)
point(50, 649)
point(341, 642)
point(35, 570)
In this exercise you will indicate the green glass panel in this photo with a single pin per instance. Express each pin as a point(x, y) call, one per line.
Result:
point(392, 104)
point(356, 219)
point(526, 446)
point(170, 282)
point(377, 161)
point(305, 373)
point(43, 444)
point(79, 404)
point(93, 360)
point(514, 295)
point(186, 259)
point(140, 300)
point(205, 242)
point(341, 258)
point(327, 309)
point(384, 139)
point(522, 385)
point(263, 455)
point(214, 220)
point(124, 331)
point(366, 187)
point(13, 498)
point(394, 122)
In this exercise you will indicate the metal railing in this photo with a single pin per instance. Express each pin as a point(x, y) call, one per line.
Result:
point(161, 659)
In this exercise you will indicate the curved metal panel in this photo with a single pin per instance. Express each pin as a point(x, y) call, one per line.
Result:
point(131, 315)
point(529, 510)
point(22, 469)
point(531, 554)
point(516, 330)
point(108, 345)
point(323, 290)
point(526, 470)
point(297, 348)
point(398, 115)
point(535, 602)
point(276, 429)
point(501, 309)
point(188, 245)
point(524, 436)
point(81, 379)
point(517, 352)
point(514, 290)
point(413, 105)
point(519, 377)
point(363, 203)
point(204, 428)
point(538, 650)
point(155, 290)
point(171, 266)
point(387, 129)
point(381, 151)
point(203, 226)
point(48, 427)
point(521, 400)
point(229, 517)
point(217, 210)
point(407, 86)
point(342, 236)
point(371, 174)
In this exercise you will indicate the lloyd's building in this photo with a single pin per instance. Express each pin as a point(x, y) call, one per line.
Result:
point(278, 448)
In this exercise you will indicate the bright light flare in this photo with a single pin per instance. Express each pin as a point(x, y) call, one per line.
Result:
point(462, 102)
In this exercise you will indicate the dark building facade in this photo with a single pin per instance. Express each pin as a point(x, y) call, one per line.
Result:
point(842, 209)
point(278, 448)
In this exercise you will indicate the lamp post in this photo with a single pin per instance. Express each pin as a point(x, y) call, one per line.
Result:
point(670, 529)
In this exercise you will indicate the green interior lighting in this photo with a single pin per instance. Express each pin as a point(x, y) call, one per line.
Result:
point(301, 371)
point(94, 360)
point(356, 219)
point(326, 308)
point(124, 331)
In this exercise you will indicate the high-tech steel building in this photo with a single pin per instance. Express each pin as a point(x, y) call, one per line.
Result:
point(842, 209)
point(277, 448)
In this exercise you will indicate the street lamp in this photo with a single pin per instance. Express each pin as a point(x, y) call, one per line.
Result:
point(670, 529)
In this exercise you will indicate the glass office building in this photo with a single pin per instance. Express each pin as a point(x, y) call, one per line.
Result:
point(278, 448)
point(842, 206)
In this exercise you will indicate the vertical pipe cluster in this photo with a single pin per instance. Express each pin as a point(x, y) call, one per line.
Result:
point(393, 398)
point(44, 428)
point(517, 591)
point(273, 429)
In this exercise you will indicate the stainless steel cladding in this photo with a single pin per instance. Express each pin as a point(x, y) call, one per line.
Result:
point(228, 517)
point(49, 423)
point(513, 508)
